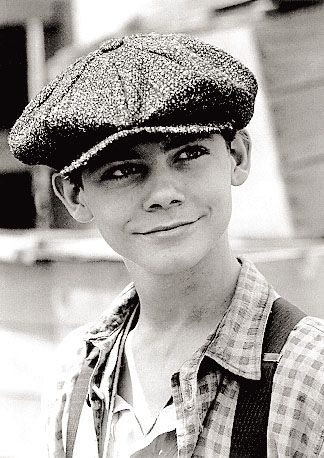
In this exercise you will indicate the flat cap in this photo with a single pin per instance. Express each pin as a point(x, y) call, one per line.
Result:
point(140, 83)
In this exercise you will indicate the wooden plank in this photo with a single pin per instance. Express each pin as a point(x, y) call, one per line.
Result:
point(299, 114)
point(306, 196)
point(286, 28)
point(7, 162)
point(291, 48)
point(19, 11)
point(274, 46)
point(301, 150)
point(300, 69)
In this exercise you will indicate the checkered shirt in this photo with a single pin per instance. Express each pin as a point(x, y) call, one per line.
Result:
point(205, 404)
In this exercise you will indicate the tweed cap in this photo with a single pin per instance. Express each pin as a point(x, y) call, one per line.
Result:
point(159, 83)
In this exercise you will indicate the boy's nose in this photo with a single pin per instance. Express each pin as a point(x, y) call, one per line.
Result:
point(164, 193)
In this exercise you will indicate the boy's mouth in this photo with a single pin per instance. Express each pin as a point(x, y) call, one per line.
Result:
point(168, 227)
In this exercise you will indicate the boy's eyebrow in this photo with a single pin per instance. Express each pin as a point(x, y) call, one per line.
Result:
point(112, 155)
point(123, 154)
point(176, 141)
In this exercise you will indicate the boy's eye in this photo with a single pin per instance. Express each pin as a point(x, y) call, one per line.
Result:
point(191, 152)
point(119, 172)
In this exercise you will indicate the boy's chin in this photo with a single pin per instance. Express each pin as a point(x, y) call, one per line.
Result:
point(170, 265)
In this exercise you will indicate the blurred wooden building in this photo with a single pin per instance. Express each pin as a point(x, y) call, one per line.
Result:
point(31, 32)
point(291, 50)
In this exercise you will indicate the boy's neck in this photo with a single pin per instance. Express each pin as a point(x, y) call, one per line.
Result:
point(188, 299)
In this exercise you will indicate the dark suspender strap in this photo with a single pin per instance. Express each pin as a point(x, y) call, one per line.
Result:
point(79, 395)
point(249, 434)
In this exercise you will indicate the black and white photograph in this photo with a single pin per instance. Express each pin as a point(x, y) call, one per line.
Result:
point(162, 228)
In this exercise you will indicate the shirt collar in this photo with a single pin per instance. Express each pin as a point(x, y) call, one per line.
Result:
point(106, 329)
point(237, 343)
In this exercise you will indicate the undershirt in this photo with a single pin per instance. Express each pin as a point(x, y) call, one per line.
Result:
point(133, 426)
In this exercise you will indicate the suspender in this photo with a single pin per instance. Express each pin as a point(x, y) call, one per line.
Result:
point(79, 395)
point(249, 434)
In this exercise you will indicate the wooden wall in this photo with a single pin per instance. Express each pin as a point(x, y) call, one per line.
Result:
point(291, 50)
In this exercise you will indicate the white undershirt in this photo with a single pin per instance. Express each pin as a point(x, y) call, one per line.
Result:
point(131, 428)
point(140, 407)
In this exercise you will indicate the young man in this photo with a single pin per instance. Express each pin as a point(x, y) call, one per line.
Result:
point(148, 136)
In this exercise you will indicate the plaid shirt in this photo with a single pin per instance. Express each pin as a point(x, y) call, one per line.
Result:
point(205, 405)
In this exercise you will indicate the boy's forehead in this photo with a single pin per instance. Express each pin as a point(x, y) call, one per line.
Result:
point(133, 148)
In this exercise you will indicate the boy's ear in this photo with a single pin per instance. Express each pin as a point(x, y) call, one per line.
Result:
point(240, 157)
point(72, 197)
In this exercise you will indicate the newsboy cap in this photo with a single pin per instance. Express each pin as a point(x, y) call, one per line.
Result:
point(159, 83)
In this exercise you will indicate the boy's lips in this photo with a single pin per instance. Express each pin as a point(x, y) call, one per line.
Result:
point(167, 227)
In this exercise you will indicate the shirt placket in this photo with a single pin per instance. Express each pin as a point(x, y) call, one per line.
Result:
point(96, 398)
point(113, 386)
point(187, 414)
point(193, 397)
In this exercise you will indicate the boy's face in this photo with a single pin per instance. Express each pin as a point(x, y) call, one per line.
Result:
point(163, 206)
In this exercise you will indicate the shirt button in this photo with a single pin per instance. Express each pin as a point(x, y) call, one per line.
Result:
point(96, 405)
point(189, 406)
